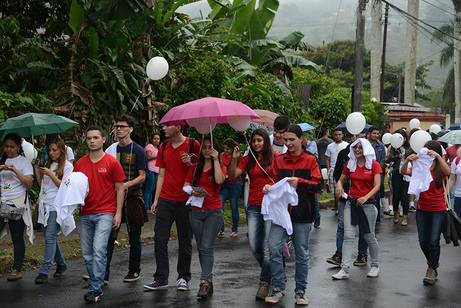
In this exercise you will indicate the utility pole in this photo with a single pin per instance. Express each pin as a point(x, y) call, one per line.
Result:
point(375, 63)
point(457, 59)
point(359, 51)
point(410, 56)
point(383, 63)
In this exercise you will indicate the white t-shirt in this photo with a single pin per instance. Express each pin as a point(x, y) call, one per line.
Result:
point(456, 169)
point(9, 181)
point(69, 153)
point(333, 153)
point(49, 190)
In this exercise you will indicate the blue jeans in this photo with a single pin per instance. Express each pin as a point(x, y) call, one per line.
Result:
point(430, 226)
point(52, 250)
point(300, 239)
point(363, 246)
point(151, 181)
point(457, 206)
point(17, 236)
point(258, 238)
point(205, 226)
point(349, 234)
point(317, 207)
point(94, 231)
point(232, 190)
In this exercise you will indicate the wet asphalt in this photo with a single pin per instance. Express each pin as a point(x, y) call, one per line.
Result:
point(236, 273)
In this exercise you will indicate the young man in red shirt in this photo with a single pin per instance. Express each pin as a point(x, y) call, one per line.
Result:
point(102, 210)
point(174, 159)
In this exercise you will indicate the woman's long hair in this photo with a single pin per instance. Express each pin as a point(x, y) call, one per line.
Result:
point(62, 158)
point(435, 146)
point(16, 139)
point(201, 163)
point(267, 152)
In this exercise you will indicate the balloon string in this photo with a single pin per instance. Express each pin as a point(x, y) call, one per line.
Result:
point(257, 162)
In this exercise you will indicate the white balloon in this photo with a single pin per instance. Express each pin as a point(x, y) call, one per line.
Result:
point(435, 128)
point(30, 153)
point(341, 147)
point(387, 138)
point(458, 153)
point(325, 173)
point(239, 123)
point(207, 126)
point(397, 140)
point(419, 139)
point(157, 68)
point(195, 122)
point(355, 123)
point(414, 123)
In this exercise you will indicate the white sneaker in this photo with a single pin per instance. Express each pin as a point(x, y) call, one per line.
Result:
point(341, 275)
point(275, 296)
point(301, 298)
point(374, 271)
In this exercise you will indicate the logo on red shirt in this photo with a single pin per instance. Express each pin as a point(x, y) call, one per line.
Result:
point(366, 171)
point(102, 170)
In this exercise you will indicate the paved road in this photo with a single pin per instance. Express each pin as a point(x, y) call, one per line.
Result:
point(402, 269)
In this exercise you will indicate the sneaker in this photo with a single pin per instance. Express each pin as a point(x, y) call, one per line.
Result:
point(275, 296)
point(401, 213)
point(206, 289)
point(412, 208)
point(301, 298)
point(154, 285)
point(340, 275)
point(335, 259)
point(388, 212)
point(361, 260)
point(263, 290)
point(373, 273)
point(14, 275)
point(60, 269)
point(131, 276)
point(86, 277)
point(92, 297)
point(183, 285)
point(317, 223)
point(431, 274)
point(41, 278)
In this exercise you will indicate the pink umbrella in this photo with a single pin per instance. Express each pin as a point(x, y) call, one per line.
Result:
point(215, 110)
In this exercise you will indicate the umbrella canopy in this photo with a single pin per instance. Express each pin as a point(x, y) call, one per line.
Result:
point(306, 126)
point(257, 125)
point(343, 127)
point(266, 117)
point(455, 126)
point(35, 124)
point(208, 107)
point(453, 137)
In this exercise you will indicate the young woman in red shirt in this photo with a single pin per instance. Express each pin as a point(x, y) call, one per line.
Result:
point(206, 220)
point(365, 174)
point(258, 164)
point(431, 208)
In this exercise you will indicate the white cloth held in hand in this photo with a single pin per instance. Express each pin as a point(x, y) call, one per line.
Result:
point(193, 201)
point(421, 176)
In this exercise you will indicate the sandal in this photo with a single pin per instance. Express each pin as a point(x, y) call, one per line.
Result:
point(234, 234)
point(221, 234)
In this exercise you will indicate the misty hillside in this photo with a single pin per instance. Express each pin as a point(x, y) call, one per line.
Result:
point(323, 21)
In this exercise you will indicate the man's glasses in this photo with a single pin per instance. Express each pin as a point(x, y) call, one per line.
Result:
point(121, 126)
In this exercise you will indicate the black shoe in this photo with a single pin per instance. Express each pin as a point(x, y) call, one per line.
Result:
point(131, 276)
point(361, 260)
point(335, 259)
point(92, 297)
point(41, 278)
point(60, 269)
point(317, 223)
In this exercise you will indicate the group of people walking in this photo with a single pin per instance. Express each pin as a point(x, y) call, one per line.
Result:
point(188, 183)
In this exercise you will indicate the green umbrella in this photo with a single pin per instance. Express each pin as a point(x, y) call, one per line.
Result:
point(35, 124)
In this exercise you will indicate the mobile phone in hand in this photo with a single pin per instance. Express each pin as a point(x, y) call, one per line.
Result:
point(242, 147)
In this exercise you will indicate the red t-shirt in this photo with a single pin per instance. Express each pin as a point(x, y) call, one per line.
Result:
point(451, 153)
point(209, 203)
point(258, 179)
point(175, 169)
point(226, 161)
point(432, 199)
point(102, 177)
point(362, 180)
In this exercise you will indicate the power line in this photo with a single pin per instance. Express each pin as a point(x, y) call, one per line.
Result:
point(438, 7)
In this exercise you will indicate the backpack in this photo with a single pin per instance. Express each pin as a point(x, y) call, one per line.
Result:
point(191, 145)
